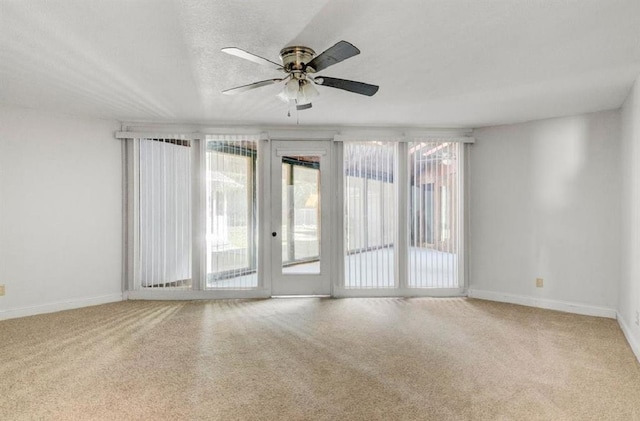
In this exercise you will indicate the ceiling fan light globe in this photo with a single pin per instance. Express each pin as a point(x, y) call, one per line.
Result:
point(282, 96)
point(306, 93)
point(309, 91)
point(291, 89)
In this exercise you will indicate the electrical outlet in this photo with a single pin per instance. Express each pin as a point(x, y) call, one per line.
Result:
point(539, 282)
point(1, 290)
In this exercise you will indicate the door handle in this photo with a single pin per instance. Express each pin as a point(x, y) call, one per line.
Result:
point(273, 234)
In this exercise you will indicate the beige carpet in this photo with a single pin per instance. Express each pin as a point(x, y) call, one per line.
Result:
point(306, 358)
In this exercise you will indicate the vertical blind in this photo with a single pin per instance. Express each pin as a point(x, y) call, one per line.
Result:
point(164, 213)
point(369, 196)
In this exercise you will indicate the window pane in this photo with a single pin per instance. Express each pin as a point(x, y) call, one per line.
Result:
point(231, 214)
point(434, 215)
point(369, 215)
point(307, 228)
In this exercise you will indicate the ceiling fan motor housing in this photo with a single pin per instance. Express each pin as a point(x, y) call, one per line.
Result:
point(295, 58)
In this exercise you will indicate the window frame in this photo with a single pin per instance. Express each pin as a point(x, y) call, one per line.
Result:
point(263, 173)
point(401, 178)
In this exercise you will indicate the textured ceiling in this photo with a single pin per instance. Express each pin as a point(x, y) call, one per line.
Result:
point(445, 63)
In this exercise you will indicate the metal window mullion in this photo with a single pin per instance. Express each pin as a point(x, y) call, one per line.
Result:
point(421, 226)
point(452, 218)
point(433, 256)
point(253, 262)
point(291, 217)
point(263, 214)
point(456, 212)
point(347, 214)
point(376, 250)
point(152, 240)
point(133, 214)
point(385, 213)
point(416, 267)
point(233, 224)
point(164, 218)
point(393, 170)
point(402, 185)
point(441, 225)
point(462, 211)
point(340, 206)
point(198, 214)
point(176, 210)
point(445, 218)
point(362, 281)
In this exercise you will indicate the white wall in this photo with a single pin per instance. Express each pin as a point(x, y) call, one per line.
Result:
point(545, 203)
point(60, 212)
point(629, 297)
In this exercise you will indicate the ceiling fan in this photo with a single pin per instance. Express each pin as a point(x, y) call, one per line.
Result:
point(300, 64)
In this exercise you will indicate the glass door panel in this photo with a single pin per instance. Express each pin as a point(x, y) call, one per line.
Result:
point(301, 214)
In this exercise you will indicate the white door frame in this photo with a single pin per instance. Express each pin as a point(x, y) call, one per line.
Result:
point(301, 284)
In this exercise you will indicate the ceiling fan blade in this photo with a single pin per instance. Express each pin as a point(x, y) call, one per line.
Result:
point(244, 88)
point(347, 85)
point(303, 107)
point(252, 57)
point(339, 52)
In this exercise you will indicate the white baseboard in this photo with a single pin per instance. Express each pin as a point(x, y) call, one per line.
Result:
point(566, 306)
point(634, 341)
point(58, 306)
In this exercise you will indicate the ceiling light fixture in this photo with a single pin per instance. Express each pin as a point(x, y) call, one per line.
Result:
point(299, 89)
point(299, 63)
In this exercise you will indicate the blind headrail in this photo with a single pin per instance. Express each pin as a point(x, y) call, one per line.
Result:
point(404, 138)
point(409, 136)
point(155, 135)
